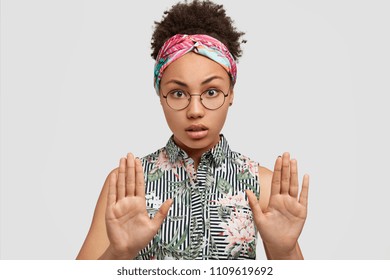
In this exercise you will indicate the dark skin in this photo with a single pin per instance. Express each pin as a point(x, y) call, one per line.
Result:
point(121, 226)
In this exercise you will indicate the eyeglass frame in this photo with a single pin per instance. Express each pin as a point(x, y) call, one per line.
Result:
point(200, 96)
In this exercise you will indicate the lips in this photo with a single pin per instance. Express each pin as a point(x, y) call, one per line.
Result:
point(197, 131)
point(196, 127)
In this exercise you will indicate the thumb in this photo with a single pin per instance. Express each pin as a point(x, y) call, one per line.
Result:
point(162, 213)
point(258, 214)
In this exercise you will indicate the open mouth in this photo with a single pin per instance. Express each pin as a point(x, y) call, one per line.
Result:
point(195, 128)
point(197, 131)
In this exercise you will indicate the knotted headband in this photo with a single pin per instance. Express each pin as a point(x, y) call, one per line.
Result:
point(181, 44)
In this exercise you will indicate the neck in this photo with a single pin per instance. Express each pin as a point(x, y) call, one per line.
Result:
point(195, 154)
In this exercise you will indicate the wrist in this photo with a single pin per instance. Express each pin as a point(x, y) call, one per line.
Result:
point(283, 254)
point(112, 254)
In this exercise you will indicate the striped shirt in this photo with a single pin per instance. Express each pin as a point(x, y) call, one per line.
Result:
point(210, 217)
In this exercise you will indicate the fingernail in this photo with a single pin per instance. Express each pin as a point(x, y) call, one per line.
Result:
point(279, 156)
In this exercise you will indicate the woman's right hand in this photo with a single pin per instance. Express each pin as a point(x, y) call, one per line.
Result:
point(129, 227)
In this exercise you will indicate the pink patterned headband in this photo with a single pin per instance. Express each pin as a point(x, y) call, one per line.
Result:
point(181, 44)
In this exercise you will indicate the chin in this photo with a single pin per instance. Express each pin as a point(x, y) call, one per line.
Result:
point(196, 144)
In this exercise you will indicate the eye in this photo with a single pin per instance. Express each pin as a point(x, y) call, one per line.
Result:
point(177, 94)
point(211, 93)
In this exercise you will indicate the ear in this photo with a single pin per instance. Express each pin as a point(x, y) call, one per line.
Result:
point(159, 96)
point(231, 97)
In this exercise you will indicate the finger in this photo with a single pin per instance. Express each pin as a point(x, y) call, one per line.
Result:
point(285, 184)
point(121, 179)
point(275, 185)
point(130, 175)
point(162, 213)
point(111, 199)
point(294, 185)
point(303, 197)
point(255, 206)
point(139, 179)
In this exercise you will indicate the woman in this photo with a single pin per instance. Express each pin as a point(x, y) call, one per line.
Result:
point(195, 198)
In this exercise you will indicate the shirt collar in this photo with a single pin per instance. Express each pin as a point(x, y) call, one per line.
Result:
point(216, 155)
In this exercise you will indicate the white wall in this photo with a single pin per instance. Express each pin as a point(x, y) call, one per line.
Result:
point(77, 94)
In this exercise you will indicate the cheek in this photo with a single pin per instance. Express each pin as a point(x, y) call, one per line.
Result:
point(172, 118)
point(219, 118)
point(165, 108)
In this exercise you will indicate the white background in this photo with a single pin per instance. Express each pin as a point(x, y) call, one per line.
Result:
point(77, 94)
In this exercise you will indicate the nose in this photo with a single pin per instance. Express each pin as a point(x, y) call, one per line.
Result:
point(195, 109)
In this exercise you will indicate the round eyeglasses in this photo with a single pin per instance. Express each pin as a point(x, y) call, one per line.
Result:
point(211, 99)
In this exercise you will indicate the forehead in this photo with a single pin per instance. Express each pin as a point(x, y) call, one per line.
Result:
point(193, 68)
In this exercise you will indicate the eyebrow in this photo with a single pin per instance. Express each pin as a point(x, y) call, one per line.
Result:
point(180, 83)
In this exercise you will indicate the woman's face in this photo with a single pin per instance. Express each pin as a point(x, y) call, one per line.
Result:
point(195, 128)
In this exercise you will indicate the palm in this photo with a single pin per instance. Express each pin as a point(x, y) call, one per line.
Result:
point(129, 226)
point(124, 220)
point(286, 217)
point(282, 222)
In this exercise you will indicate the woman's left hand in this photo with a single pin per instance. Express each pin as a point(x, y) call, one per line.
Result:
point(282, 222)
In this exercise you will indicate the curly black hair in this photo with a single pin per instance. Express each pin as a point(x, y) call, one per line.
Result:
point(197, 17)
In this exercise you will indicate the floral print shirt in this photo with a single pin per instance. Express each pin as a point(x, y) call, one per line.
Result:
point(210, 217)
